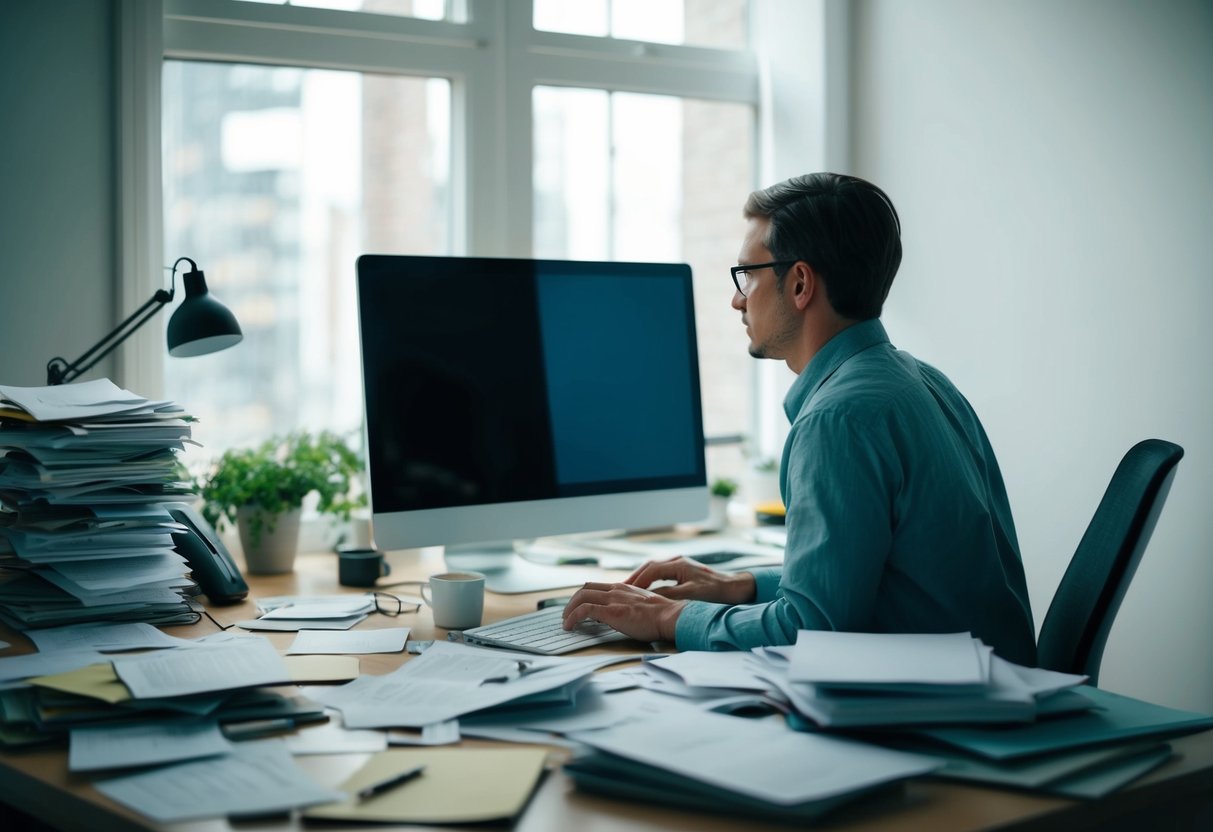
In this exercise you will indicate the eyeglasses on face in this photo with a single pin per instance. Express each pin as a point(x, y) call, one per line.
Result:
point(743, 283)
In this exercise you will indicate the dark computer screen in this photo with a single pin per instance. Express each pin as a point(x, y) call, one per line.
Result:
point(498, 380)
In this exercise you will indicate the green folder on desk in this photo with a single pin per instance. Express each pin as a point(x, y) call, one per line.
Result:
point(1115, 718)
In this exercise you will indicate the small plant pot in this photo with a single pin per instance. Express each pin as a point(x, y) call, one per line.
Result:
point(274, 552)
point(718, 513)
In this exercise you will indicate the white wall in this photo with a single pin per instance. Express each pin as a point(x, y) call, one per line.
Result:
point(1053, 166)
point(57, 190)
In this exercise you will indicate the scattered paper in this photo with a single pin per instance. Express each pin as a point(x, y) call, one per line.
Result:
point(333, 738)
point(46, 664)
point(256, 778)
point(143, 744)
point(385, 640)
point(878, 659)
point(105, 638)
point(97, 681)
point(439, 733)
point(242, 663)
point(284, 625)
point(763, 759)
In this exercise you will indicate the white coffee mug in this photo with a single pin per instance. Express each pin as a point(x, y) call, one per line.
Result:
point(457, 599)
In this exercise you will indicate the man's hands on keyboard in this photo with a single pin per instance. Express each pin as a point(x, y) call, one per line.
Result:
point(637, 612)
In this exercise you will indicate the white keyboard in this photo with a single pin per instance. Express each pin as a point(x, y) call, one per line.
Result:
point(541, 632)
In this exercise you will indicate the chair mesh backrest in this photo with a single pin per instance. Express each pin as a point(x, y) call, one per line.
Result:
point(1076, 626)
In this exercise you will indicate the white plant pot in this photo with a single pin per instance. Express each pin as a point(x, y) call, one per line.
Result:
point(718, 513)
point(274, 553)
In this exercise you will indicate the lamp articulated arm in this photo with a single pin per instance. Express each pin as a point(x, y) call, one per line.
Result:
point(59, 371)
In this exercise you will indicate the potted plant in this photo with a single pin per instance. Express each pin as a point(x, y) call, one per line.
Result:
point(721, 491)
point(261, 490)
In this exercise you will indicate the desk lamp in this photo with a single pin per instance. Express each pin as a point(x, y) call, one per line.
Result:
point(200, 325)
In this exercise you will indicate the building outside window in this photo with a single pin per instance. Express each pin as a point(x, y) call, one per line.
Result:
point(282, 164)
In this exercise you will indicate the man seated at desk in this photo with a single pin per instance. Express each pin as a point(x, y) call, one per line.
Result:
point(897, 517)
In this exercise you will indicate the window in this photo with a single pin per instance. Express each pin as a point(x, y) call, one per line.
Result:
point(275, 180)
point(295, 139)
point(626, 176)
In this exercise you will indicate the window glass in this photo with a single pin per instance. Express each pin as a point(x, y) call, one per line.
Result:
point(275, 180)
point(624, 176)
point(427, 9)
point(717, 23)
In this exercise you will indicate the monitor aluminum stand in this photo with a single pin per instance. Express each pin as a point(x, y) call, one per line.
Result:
point(508, 573)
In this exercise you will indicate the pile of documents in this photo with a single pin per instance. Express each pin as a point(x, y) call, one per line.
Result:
point(85, 473)
point(172, 710)
point(848, 680)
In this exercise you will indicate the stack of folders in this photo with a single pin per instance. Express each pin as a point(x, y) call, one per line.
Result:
point(849, 680)
point(85, 471)
point(987, 719)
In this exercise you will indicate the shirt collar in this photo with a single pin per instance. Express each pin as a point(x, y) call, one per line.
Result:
point(853, 339)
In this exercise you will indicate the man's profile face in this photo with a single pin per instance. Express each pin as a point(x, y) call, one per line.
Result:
point(770, 321)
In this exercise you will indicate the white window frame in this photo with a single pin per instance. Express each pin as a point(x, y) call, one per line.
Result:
point(797, 82)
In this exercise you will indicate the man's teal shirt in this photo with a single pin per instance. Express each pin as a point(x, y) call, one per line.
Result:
point(897, 517)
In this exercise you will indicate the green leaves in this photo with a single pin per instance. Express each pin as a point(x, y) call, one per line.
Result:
point(278, 474)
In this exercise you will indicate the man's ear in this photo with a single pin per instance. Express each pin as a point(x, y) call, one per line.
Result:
point(802, 285)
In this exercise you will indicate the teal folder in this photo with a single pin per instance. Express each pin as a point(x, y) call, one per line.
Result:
point(1115, 718)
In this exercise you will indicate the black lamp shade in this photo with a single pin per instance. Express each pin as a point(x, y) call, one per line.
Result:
point(201, 324)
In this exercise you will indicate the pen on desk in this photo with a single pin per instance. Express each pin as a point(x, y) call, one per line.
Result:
point(392, 782)
point(258, 728)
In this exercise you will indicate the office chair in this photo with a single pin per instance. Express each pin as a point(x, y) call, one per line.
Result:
point(1076, 626)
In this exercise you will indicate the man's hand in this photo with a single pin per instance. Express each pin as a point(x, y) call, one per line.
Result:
point(695, 582)
point(633, 611)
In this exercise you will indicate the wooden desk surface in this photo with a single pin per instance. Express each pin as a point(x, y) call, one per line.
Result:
point(39, 784)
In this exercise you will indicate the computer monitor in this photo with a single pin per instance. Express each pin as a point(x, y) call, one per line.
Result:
point(512, 399)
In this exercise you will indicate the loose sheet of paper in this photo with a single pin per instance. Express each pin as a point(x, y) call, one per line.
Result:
point(306, 670)
point(449, 680)
point(386, 640)
point(245, 662)
point(144, 744)
point(103, 637)
point(827, 657)
point(256, 778)
point(46, 664)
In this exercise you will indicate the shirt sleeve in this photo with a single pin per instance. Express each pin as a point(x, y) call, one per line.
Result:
point(840, 481)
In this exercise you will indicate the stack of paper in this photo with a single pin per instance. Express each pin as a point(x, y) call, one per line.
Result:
point(874, 679)
point(84, 472)
point(756, 768)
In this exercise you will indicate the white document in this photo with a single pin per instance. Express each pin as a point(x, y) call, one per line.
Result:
point(439, 733)
point(449, 680)
point(245, 662)
point(879, 659)
point(292, 625)
point(731, 669)
point(118, 574)
point(315, 606)
point(4, 644)
point(334, 738)
point(81, 400)
point(592, 711)
point(105, 638)
point(256, 778)
point(47, 664)
point(142, 744)
point(759, 758)
point(386, 640)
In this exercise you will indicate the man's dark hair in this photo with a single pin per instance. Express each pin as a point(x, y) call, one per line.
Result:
point(845, 228)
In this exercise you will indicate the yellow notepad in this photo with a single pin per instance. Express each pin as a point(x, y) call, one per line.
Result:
point(460, 785)
point(97, 681)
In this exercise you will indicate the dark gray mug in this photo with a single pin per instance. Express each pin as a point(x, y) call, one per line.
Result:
point(361, 567)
